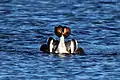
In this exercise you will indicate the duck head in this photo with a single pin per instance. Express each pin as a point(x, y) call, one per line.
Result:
point(62, 31)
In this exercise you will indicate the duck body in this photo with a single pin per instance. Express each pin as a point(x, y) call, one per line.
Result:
point(61, 46)
point(57, 47)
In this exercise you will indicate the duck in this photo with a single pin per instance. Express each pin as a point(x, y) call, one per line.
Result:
point(61, 46)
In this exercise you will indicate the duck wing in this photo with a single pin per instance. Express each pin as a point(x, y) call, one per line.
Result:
point(52, 44)
point(71, 45)
point(67, 44)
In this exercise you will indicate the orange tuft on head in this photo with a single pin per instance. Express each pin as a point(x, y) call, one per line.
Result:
point(66, 32)
point(62, 30)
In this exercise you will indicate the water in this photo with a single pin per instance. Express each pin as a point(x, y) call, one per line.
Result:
point(26, 24)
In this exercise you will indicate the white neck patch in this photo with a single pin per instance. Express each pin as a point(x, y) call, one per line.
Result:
point(61, 46)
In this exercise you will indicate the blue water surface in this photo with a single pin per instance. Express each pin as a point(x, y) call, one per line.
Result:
point(26, 24)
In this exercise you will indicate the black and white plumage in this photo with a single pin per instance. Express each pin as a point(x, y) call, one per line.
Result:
point(61, 46)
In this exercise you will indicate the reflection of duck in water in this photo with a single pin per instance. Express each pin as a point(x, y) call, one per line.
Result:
point(55, 46)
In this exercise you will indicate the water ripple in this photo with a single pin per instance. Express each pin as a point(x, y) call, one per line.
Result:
point(26, 24)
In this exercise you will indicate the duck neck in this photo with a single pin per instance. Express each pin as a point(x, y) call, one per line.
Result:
point(61, 45)
point(62, 40)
